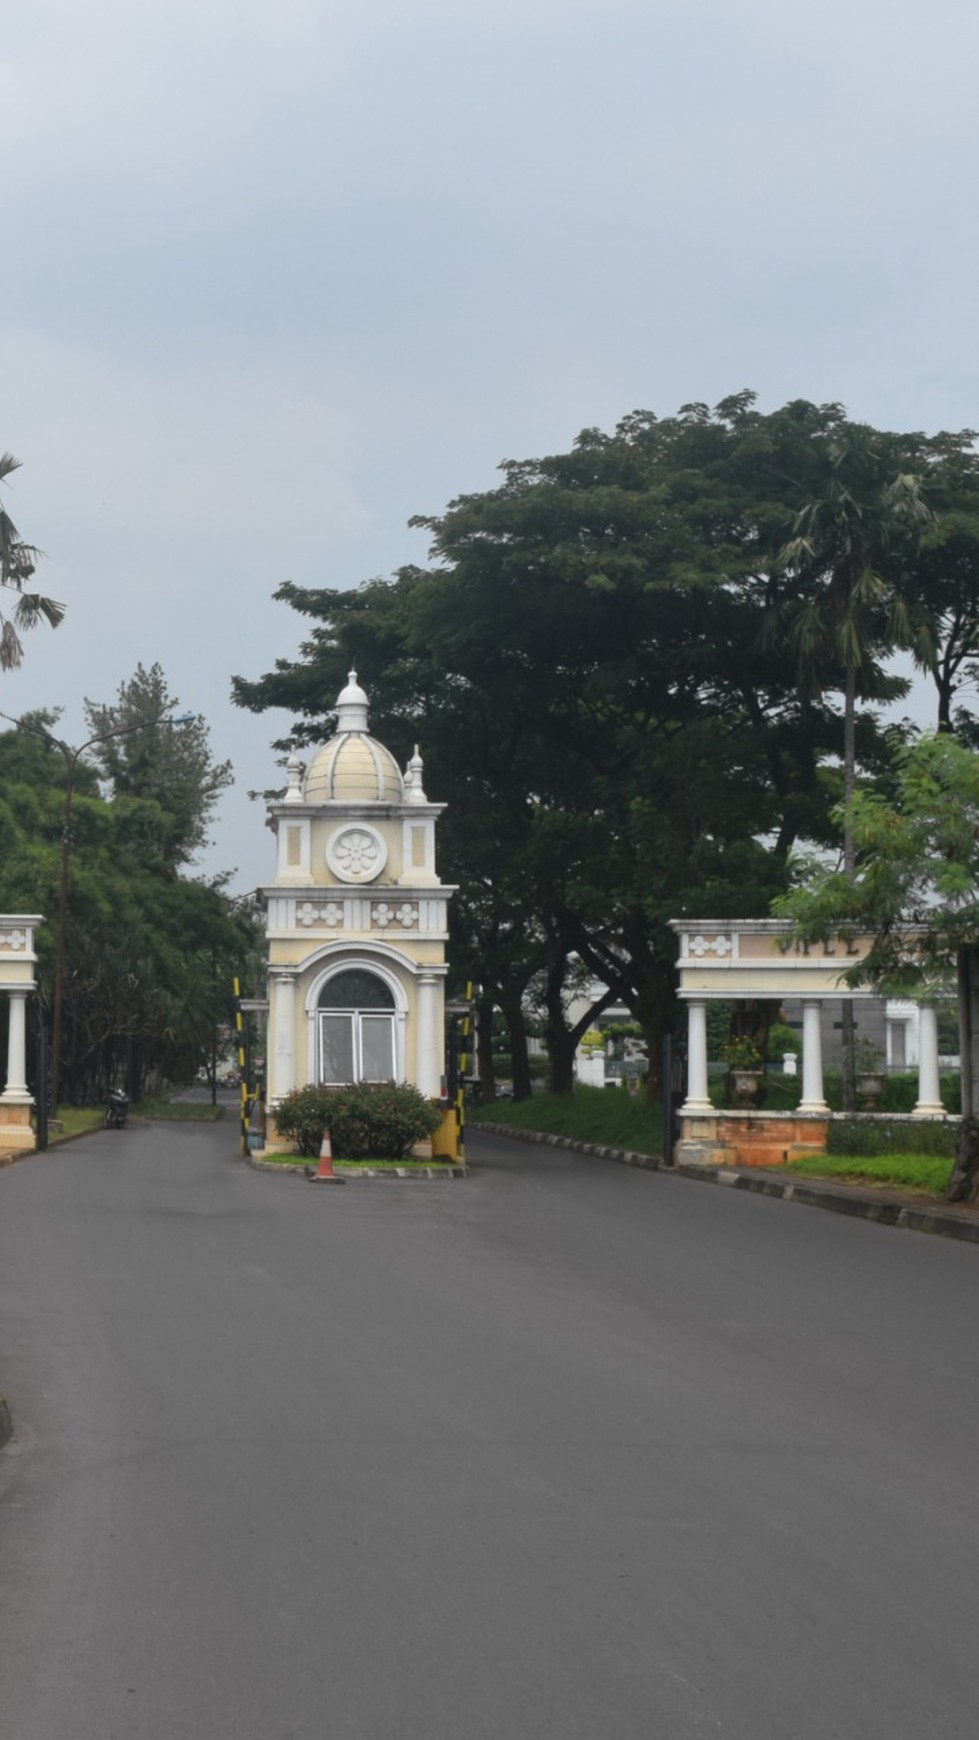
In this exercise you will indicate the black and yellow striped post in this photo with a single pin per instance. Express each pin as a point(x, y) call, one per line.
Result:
point(241, 1041)
point(451, 1140)
point(465, 1067)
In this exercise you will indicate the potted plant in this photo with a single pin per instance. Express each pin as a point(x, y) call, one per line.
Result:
point(870, 1073)
point(744, 1061)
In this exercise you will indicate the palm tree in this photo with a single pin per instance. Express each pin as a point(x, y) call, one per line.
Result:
point(17, 563)
point(852, 610)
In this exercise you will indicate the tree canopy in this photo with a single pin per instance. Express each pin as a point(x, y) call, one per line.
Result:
point(915, 888)
point(148, 753)
point(615, 667)
point(150, 954)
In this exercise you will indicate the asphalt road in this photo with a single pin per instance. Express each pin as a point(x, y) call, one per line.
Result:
point(565, 1452)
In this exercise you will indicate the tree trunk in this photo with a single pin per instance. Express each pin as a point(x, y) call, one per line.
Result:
point(848, 1036)
point(561, 1047)
point(484, 1048)
point(849, 769)
point(848, 1057)
point(963, 1185)
point(560, 1043)
point(652, 1033)
point(513, 1015)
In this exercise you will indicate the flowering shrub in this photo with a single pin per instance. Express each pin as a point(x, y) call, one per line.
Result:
point(742, 1053)
point(366, 1121)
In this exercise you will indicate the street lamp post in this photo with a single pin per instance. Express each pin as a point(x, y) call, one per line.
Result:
point(72, 758)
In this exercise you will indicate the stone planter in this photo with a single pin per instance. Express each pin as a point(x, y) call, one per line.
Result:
point(745, 1085)
point(870, 1086)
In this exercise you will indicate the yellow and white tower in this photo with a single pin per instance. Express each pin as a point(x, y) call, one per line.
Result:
point(356, 918)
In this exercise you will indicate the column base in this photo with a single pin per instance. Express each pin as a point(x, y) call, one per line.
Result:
point(929, 1109)
point(814, 1108)
point(697, 1109)
point(15, 1123)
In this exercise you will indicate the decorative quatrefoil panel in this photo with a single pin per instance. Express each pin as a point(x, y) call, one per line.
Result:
point(404, 915)
point(711, 945)
point(331, 915)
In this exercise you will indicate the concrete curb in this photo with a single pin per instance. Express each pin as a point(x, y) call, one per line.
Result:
point(885, 1207)
point(401, 1174)
point(625, 1156)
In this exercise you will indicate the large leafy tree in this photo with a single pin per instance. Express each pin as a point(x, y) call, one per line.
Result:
point(586, 664)
point(149, 956)
point(145, 750)
point(915, 888)
point(866, 513)
point(18, 562)
point(845, 556)
point(627, 664)
point(941, 574)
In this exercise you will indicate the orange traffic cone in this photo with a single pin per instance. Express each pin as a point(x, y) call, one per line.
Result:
point(324, 1173)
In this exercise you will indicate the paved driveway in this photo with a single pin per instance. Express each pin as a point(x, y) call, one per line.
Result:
point(567, 1450)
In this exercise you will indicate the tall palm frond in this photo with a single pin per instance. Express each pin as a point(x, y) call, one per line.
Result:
point(18, 562)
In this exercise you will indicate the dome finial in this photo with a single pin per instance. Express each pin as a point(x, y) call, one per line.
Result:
point(351, 706)
point(413, 779)
point(294, 777)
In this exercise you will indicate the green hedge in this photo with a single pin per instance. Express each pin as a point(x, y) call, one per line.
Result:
point(370, 1121)
point(783, 1092)
point(866, 1136)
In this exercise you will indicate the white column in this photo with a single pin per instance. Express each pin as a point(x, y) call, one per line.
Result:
point(284, 1047)
point(698, 1098)
point(929, 1087)
point(16, 1088)
point(428, 1038)
point(812, 1057)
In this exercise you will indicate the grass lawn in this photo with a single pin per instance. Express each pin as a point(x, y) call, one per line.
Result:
point(919, 1172)
point(609, 1116)
point(74, 1121)
point(196, 1111)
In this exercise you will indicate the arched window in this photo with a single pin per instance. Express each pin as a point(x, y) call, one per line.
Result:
point(356, 1029)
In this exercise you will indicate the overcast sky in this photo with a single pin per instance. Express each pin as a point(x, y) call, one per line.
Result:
point(276, 277)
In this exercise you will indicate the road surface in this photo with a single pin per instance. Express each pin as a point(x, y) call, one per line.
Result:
point(567, 1451)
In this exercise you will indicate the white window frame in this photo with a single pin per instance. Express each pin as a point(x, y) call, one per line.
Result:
point(357, 1018)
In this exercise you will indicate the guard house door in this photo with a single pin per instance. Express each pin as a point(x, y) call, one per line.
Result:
point(356, 1029)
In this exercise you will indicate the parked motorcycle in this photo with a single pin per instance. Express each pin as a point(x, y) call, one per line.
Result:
point(117, 1110)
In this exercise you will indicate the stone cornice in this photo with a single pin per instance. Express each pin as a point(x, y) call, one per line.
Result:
point(358, 890)
point(362, 807)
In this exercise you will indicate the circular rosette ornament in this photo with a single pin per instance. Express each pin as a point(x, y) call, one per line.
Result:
point(356, 854)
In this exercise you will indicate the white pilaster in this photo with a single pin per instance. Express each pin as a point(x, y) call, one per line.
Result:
point(428, 1061)
point(282, 1075)
point(16, 1088)
point(929, 1103)
point(813, 1098)
point(698, 1098)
